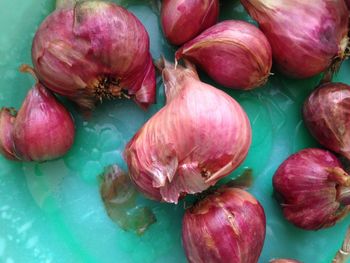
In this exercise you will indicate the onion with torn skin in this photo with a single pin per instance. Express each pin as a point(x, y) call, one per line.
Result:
point(227, 226)
point(93, 51)
point(199, 136)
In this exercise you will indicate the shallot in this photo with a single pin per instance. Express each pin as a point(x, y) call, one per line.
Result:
point(199, 136)
point(313, 189)
point(235, 54)
point(228, 226)
point(93, 51)
point(307, 37)
point(327, 116)
point(41, 130)
point(182, 20)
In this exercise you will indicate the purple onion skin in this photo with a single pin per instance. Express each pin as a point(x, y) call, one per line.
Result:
point(309, 184)
point(326, 114)
point(43, 129)
point(182, 20)
point(305, 36)
point(228, 226)
point(284, 261)
point(94, 51)
point(236, 54)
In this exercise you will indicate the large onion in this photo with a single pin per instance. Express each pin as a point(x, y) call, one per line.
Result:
point(200, 136)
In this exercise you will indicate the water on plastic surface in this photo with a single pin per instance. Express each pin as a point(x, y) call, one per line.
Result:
point(52, 212)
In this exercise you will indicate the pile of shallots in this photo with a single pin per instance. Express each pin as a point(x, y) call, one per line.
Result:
point(89, 51)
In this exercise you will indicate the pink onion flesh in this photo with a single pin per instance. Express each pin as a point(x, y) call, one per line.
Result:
point(235, 54)
point(178, 151)
point(94, 51)
point(182, 20)
point(313, 188)
point(306, 36)
point(228, 226)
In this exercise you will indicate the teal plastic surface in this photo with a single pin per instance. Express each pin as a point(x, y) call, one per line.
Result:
point(52, 212)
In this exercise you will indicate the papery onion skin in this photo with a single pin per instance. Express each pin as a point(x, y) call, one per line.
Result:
point(7, 117)
point(95, 51)
point(309, 184)
point(182, 20)
point(198, 137)
point(284, 261)
point(43, 129)
point(235, 54)
point(305, 36)
point(327, 115)
point(227, 226)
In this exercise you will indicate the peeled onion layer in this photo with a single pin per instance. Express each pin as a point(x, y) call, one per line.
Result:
point(177, 151)
point(119, 197)
point(93, 51)
point(236, 54)
point(306, 37)
point(313, 189)
point(327, 116)
point(182, 20)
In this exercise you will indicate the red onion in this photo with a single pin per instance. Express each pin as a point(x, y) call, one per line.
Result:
point(306, 36)
point(95, 51)
point(227, 226)
point(200, 136)
point(235, 54)
point(42, 130)
point(326, 114)
point(182, 20)
point(314, 189)
point(284, 261)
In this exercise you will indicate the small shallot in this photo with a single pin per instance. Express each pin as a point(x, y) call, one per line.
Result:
point(313, 189)
point(235, 54)
point(199, 136)
point(182, 20)
point(227, 226)
point(327, 115)
point(41, 130)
